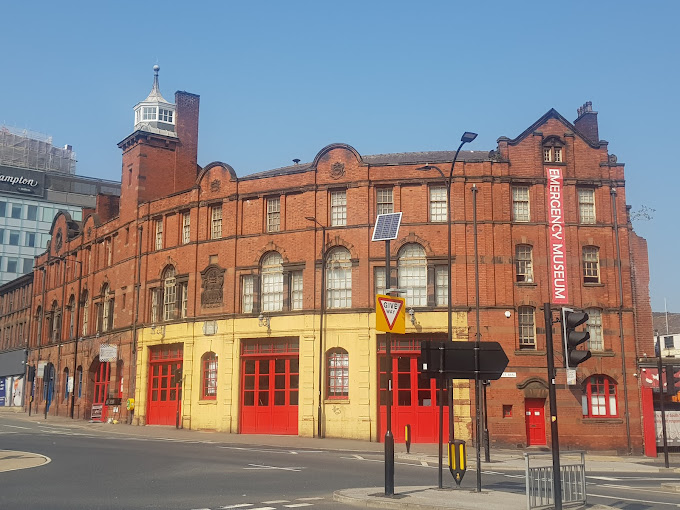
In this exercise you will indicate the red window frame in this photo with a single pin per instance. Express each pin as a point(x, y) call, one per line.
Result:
point(337, 374)
point(209, 376)
point(600, 386)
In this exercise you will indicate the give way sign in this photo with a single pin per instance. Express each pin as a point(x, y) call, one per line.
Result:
point(389, 314)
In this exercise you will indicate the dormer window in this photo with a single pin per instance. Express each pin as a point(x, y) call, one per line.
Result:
point(165, 115)
point(552, 150)
point(149, 113)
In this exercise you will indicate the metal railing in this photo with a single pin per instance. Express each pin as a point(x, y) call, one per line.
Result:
point(539, 481)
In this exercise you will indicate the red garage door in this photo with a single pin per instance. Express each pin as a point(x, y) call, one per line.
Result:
point(162, 397)
point(269, 387)
point(415, 399)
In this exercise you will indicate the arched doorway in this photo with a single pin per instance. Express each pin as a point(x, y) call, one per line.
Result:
point(100, 375)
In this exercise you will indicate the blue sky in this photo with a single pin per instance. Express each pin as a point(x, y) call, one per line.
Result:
point(280, 80)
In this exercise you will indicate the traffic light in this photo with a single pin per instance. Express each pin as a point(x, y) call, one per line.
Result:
point(573, 339)
point(672, 380)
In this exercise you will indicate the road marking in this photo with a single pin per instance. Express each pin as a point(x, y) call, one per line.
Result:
point(17, 427)
point(640, 489)
point(308, 499)
point(240, 505)
point(275, 501)
point(424, 463)
point(262, 466)
point(619, 498)
point(269, 450)
point(605, 478)
point(298, 505)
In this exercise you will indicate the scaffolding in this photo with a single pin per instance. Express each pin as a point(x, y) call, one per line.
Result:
point(27, 149)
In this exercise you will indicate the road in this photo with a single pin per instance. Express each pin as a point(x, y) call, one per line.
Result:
point(100, 468)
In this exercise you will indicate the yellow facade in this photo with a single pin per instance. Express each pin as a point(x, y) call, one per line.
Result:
point(352, 418)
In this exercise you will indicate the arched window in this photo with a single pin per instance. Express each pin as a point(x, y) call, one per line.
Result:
point(412, 266)
point(594, 327)
point(85, 304)
point(169, 294)
point(71, 316)
point(339, 278)
point(524, 263)
point(591, 264)
point(209, 376)
point(55, 322)
point(272, 282)
point(599, 397)
point(527, 327)
point(38, 316)
point(66, 386)
point(337, 370)
point(106, 310)
point(79, 381)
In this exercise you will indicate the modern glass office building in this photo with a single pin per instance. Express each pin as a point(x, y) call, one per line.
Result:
point(37, 180)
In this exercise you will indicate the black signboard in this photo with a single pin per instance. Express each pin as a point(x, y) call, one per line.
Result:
point(22, 181)
point(113, 401)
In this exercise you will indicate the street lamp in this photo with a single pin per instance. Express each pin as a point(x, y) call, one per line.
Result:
point(466, 138)
point(322, 306)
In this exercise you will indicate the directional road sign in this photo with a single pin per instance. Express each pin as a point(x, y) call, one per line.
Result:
point(456, 360)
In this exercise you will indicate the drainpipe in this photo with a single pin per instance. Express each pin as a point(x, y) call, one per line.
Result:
point(138, 277)
point(623, 347)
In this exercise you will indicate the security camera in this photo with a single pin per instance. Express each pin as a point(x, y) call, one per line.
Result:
point(507, 314)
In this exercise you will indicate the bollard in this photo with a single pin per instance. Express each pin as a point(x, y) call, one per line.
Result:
point(407, 437)
point(457, 460)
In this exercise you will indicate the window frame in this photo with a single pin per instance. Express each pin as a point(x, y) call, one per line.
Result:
point(271, 285)
point(158, 234)
point(273, 205)
point(209, 374)
point(521, 204)
point(605, 399)
point(524, 263)
point(384, 200)
point(216, 221)
point(247, 293)
point(441, 287)
point(594, 327)
point(296, 290)
point(435, 203)
point(186, 227)
point(337, 384)
point(338, 278)
point(338, 207)
point(587, 212)
point(526, 327)
point(590, 256)
point(412, 274)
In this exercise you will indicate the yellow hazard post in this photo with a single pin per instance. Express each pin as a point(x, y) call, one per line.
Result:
point(457, 460)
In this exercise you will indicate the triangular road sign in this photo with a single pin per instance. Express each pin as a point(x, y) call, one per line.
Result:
point(390, 314)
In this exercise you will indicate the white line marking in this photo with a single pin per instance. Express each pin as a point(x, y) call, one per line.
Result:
point(275, 501)
point(240, 505)
point(298, 505)
point(264, 508)
point(640, 489)
point(423, 463)
point(200, 509)
point(17, 427)
point(262, 466)
point(605, 478)
point(308, 499)
point(619, 498)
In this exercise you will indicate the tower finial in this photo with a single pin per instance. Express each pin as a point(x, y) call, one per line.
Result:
point(155, 87)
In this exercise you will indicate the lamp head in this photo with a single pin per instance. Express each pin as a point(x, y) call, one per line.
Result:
point(468, 137)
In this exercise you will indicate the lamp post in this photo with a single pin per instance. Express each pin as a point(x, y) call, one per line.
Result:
point(322, 306)
point(466, 138)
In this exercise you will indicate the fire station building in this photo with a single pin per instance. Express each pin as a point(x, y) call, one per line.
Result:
point(247, 304)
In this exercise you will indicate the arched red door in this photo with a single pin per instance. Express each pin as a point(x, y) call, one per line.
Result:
point(101, 391)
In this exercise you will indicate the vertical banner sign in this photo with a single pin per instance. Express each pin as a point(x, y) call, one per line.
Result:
point(559, 290)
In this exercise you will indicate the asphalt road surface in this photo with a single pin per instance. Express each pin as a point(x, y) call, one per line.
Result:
point(95, 469)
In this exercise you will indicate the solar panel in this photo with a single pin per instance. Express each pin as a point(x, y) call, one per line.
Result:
point(386, 226)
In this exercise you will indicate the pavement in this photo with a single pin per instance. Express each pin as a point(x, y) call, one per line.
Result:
point(408, 497)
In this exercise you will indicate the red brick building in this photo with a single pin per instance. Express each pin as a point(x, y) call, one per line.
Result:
point(221, 276)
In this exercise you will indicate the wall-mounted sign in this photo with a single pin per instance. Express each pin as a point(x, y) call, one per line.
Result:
point(108, 352)
point(22, 181)
point(559, 290)
point(96, 413)
point(509, 374)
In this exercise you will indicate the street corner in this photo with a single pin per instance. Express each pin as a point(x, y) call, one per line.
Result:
point(11, 460)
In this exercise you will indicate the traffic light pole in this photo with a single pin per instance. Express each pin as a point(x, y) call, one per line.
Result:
point(557, 482)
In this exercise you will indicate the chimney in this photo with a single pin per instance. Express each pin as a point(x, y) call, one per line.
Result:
point(186, 157)
point(107, 206)
point(586, 122)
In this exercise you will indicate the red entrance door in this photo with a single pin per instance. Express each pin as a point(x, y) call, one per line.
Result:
point(269, 395)
point(162, 396)
point(101, 391)
point(534, 414)
point(415, 399)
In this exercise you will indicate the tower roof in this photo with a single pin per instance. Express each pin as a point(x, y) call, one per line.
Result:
point(155, 95)
point(155, 114)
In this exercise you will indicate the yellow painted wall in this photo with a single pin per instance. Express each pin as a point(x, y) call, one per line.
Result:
point(354, 418)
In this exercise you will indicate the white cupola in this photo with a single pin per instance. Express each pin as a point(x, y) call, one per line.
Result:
point(155, 114)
